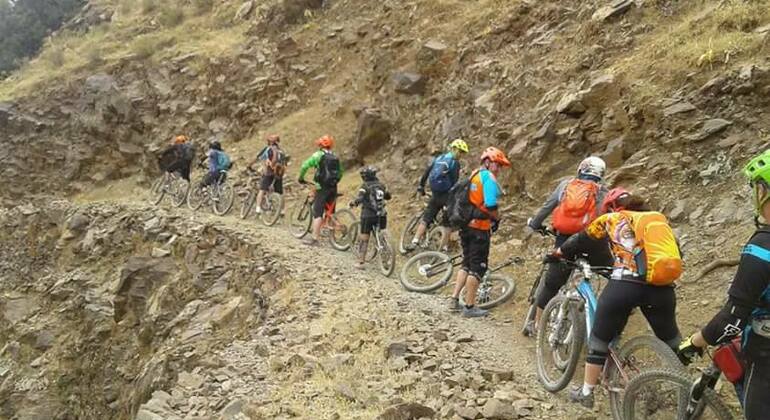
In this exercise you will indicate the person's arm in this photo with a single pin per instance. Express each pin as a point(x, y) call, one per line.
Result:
point(750, 282)
point(550, 204)
point(454, 174)
point(341, 169)
point(360, 197)
point(312, 162)
point(596, 231)
point(491, 194)
point(213, 162)
point(424, 177)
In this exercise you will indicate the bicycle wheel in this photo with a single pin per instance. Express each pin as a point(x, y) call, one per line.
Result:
point(339, 224)
point(435, 238)
point(181, 189)
point(560, 338)
point(248, 204)
point(226, 196)
point(528, 327)
point(663, 393)
point(496, 290)
point(386, 253)
point(158, 190)
point(408, 234)
point(196, 197)
point(274, 207)
point(634, 356)
point(299, 222)
point(426, 271)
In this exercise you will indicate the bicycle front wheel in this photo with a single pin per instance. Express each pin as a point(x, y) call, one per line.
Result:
point(299, 222)
point(664, 393)
point(636, 355)
point(272, 210)
point(408, 234)
point(340, 236)
point(181, 189)
point(426, 272)
point(386, 253)
point(226, 197)
point(492, 292)
point(158, 190)
point(196, 197)
point(248, 204)
point(528, 327)
point(560, 338)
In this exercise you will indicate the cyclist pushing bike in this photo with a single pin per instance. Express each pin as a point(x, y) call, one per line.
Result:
point(275, 166)
point(371, 197)
point(647, 262)
point(747, 309)
point(327, 175)
point(218, 164)
point(441, 175)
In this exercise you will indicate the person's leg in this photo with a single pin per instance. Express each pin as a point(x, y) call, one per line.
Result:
point(319, 202)
point(462, 274)
point(428, 216)
point(659, 308)
point(556, 276)
point(478, 261)
point(264, 186)
point(367, 225)
point(756, 385)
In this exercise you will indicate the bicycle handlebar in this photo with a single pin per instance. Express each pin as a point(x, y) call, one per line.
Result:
point(587, 269)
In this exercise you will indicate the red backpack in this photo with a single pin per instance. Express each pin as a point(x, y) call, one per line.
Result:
point(577, 207)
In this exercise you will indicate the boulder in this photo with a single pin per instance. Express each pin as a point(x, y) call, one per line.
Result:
point(409, 83)
point(406, 411)
point(678, 108)
point(430, 55)
point(372, 132)
point(614, 153)
point(245, 10)
point(709, 128)
point(138, 278)
point(294, 10)
point(498, 409)
point(571, 104)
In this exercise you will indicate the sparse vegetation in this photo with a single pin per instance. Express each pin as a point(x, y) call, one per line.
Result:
point(202, 6)
point(54, 56)
point(171, 15)
point(149, 6)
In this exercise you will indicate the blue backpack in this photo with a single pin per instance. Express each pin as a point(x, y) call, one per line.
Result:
point(440, 173)
point(223, 161)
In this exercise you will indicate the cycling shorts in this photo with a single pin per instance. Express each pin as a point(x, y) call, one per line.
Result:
point(756, 383)
point(271, 180)
point(368, 223)
point(323, 197)
point(437, 202)
point(475, 244)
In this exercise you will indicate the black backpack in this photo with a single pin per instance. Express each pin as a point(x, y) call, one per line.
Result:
point(328, 174)
point(459, 208)
point(375, 195)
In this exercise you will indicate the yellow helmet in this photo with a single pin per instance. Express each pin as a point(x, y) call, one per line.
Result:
point(460, 145)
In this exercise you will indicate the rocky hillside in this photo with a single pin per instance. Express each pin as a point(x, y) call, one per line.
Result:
point(674, 95)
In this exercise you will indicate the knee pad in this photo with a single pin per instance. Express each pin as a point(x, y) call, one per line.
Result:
point(597, 351)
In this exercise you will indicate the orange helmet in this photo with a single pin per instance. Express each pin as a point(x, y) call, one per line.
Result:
point(273, 139)
point(495, 155)
point(181, 139)
point(326, 142)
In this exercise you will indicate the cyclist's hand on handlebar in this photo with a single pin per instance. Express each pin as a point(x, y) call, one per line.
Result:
point(555, 256)
point(302, 181)
point(687, 351)
point(495, 225)
point(352, 204)
point(421, 191)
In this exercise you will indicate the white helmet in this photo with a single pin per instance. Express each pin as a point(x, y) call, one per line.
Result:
point(592, 166)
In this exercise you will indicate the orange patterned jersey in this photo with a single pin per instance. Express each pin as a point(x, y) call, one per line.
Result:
point(617, 227)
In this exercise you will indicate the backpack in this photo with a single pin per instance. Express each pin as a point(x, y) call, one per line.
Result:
point(188, 152)
point(577, 207)
point(375, 195)
point(439, 176)
point(223, 161)
point(659, 260)
point(460, 211)
point(328, 174)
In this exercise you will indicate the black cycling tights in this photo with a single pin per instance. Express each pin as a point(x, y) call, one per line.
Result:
point(658, 304)
point(756, 404)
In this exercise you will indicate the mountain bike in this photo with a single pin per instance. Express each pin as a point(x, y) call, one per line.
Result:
point(336, 224)
point(272, 202)
point(672, 394)
point(436, 269)
point(219, 195)
point(173, 185)
point(434, 236)
point(528, 326)
point(380, 247)
point(567, 321)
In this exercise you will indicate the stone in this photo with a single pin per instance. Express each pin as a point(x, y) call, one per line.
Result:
point(430, 54)
point(138, 277)
point(614, 153)
point(463, 338)
point(467, 412)
point(190, 380)
point(678, 108)
point(396, 349)
point(486, 101)
point(678, 212)
point(372, 132)
point(406, 411)
point(498, 409)
point(44, 340)
point(245, 10)
point(571, 104)
point(101, 83)
point(18, 309)
point(409, 83)
point(346, 391)
point(489, 373)
point(232, 410)
point(709, 128)
point(616, 8)
point(160, 253)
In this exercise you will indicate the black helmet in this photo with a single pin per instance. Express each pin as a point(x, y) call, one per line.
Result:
point(368, 173)
point(214, 144)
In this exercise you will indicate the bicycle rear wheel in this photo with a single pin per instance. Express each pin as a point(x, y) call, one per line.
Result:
point(528, 327)
point(299, 221)
point(408, 234)
point(386, 253)
point(272, 213)
point(426, 271)
point(339, 224)
point(495, 291)
point(560, 338)
point(636, 355)
point(435, 238)
point(662, 394)
point(181, 189)
point(158, 190)
point(196, 197)
point(226, 196)
point(248, 204)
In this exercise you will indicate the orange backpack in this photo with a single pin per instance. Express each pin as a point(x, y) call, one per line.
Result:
point(659, 261)
point(577, 207)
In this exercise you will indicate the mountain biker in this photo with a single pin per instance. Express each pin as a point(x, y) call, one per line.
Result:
point(747, 309)
point(328, 173)
point(630, 286)
point(371, 197)
point(475, 236)
point(574, 204)
point(218, 163)
point(442, 172)
point(178, 157)
point(275, 167)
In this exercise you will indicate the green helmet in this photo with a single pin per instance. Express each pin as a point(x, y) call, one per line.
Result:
point(758, 173)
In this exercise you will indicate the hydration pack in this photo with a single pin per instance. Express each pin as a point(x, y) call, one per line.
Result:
point(439, 177)
point(328, 174)
point(660, 260)
point(460, 210)
point(577, 207)
point(223, 161)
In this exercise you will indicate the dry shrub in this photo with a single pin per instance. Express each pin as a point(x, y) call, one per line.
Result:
point(149, 6)
point(201, 7)
point(54, 56)
point(170, 16)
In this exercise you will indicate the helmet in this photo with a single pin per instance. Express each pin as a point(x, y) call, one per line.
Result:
point(592, 166)
point(758, 173)
point(181, 139)
point(459, 144)
point(326, 142)
point(273, 139)
point(215, 144)
point(495, 155)
point(610, 203)
point(368, 173)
